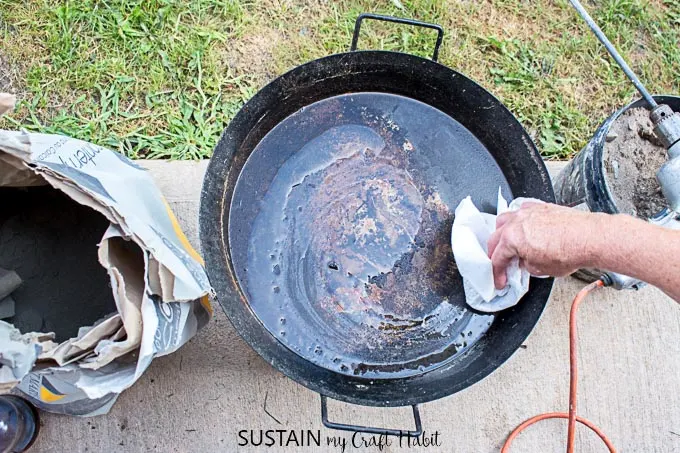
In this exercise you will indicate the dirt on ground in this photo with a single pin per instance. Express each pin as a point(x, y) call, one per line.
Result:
point(6, 85)
point(632, 156)
point(252, 54)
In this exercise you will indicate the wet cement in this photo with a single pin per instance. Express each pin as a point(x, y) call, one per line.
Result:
point(51, 243)
point(632, 156)
point(349, 262)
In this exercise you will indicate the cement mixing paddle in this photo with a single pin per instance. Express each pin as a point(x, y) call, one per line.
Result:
point(666, 122)
point(666, 128)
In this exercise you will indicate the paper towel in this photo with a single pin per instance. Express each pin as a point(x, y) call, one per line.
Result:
point(469, 236)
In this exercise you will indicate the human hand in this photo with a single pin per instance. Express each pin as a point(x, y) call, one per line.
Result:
point(548, 240)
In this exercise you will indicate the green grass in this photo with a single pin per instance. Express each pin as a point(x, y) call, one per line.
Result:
point(162, 78)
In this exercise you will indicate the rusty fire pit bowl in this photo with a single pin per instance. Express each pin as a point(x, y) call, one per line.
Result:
point(325, 222)
point(348, 261)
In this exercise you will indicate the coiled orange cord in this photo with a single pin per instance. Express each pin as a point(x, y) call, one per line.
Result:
point(573, 381)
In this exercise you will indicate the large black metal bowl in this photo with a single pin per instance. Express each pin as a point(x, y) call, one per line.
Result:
point(428, 82)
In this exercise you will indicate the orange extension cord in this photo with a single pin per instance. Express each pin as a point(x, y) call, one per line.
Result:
point(573, 381)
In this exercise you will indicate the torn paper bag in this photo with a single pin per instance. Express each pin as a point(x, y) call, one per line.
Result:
point(469, 235)
point(157, 280)
point(19, 353)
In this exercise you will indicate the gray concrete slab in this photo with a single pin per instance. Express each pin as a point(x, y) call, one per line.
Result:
point(197, 399)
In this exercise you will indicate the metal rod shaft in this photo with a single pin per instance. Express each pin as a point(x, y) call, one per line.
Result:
point(614, 53)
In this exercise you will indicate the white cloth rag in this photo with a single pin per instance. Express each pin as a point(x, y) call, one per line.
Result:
point(469, 236)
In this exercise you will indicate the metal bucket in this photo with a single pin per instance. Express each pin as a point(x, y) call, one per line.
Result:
point(582, 184)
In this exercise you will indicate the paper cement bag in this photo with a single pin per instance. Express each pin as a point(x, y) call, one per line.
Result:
point(157, 279)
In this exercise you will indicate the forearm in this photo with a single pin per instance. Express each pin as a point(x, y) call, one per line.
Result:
point(635, 248)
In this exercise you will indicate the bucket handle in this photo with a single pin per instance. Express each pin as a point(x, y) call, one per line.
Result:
point(398, 20)
point(367, 429)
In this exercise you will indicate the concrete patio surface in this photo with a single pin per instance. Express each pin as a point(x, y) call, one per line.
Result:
point(199, 398)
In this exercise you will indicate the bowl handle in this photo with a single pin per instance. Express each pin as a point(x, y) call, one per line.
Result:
point(398, 20)
point(367, 429)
